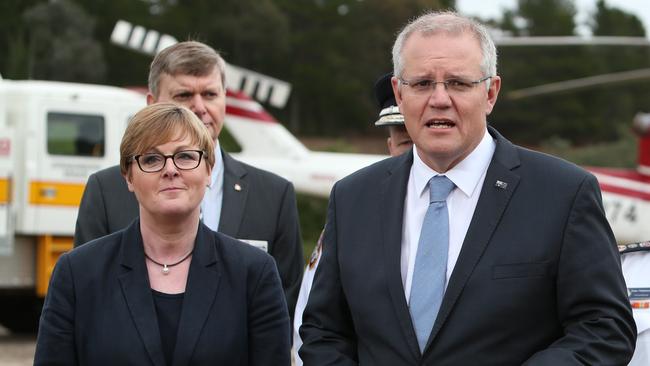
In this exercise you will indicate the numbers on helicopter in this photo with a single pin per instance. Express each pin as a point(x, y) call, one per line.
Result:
point(620, 211)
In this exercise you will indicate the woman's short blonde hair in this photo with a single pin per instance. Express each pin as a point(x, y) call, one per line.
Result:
point(160, 123)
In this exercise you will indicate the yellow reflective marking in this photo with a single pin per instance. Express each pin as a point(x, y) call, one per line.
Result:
point(5, 190)
point(53, 193)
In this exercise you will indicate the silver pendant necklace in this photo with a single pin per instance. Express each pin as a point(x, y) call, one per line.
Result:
point(166, 267)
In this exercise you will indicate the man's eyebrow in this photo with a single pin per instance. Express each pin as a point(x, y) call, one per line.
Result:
point(180, 90)
point(454, 75)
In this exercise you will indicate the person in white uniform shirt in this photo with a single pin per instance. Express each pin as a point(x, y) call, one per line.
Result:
point(635, 260)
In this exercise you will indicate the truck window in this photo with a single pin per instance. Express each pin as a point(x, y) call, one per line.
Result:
point(75, 134)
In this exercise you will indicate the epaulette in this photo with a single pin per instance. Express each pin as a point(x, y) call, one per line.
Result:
point(315, 255)
point(634, 247)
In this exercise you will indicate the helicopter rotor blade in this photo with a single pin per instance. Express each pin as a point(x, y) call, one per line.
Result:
point(575, 84)
point(506, 41)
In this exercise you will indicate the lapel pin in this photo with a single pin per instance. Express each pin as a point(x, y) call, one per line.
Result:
point(500, 184)
point(237, 187)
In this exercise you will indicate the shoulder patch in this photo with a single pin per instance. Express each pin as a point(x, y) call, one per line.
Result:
point(634, 247)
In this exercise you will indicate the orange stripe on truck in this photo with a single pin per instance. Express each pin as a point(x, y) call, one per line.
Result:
point(55, 193)
point(5, 190)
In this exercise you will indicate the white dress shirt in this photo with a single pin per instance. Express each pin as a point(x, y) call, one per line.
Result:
point(468, 176)
point(213, 199)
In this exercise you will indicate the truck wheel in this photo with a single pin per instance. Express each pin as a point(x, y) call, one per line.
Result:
point(20, 314)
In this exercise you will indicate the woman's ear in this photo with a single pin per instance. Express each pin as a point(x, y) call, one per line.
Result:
point(129, 180)
point(208, 179)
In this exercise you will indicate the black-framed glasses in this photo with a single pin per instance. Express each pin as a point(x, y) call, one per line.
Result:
point(155, 162)
point(455, 85)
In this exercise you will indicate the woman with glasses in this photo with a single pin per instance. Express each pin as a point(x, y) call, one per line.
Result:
point(166, 290)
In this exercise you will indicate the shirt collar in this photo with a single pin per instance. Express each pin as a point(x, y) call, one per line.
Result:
point(466, 174)
point(217, 169)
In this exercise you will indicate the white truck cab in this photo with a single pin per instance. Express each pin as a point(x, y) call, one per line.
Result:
point(53, 135)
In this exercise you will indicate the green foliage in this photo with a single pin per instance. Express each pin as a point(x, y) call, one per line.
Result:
point(548, 17)
point(338, 49)
point(13, 29)
point(312, 212)
point(584, 116)
point(608, 21)
point(621, 153)
point(61, 46)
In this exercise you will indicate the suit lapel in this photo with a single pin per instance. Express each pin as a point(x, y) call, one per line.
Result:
point(200, 294)
point(136, 289)
point(492, 203)
point(235, 193)
point(393, 192)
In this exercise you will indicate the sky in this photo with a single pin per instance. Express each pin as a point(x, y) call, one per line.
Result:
point(494, 9)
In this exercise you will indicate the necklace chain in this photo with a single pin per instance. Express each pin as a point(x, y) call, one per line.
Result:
point(166, 267)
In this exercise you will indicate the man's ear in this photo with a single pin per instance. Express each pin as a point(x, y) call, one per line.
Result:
point(493, 93)
point(150, 99)
point(394, 82)
point(389, 144)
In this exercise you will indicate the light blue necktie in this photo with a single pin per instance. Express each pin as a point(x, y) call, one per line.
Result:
point(430, 270)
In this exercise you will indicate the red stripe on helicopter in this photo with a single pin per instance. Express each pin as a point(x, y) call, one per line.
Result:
point(258, 116)
point(608, 188)
point(259, 113)
point(621, 173)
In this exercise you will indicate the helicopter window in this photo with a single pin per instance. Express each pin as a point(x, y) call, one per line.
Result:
point(75, 134)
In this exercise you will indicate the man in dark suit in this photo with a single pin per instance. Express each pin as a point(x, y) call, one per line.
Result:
point(521, 266)
point(244, 202)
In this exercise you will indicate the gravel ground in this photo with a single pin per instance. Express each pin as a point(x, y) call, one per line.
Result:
point(16, 350)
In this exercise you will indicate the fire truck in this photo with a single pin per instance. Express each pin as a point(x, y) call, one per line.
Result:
point(53, 135)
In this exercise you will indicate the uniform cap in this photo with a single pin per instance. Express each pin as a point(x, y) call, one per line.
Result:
point(389, 114)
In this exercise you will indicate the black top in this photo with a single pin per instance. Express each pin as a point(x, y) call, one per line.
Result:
point(168, 312)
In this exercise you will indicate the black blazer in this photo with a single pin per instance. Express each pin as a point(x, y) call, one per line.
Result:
point(538, 280)
point(99, 308)
point(264, 208)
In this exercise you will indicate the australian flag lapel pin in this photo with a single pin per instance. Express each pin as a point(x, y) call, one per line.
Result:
point(501, 184)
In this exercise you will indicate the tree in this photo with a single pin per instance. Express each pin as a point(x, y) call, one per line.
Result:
point(619, 103)
point(61, 44)
point(578, 116)
point(338, 49)
point(13, 39)
point(548, 17)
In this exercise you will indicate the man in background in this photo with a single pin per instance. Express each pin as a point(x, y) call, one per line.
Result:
point(242, 201)
point(398, 140)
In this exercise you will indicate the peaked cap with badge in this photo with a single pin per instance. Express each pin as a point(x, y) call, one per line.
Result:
point(389, 114)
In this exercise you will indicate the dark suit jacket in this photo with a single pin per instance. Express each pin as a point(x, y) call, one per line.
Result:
point(538, 280)
point(264, 209)
point(99, 309)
